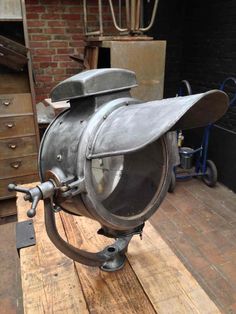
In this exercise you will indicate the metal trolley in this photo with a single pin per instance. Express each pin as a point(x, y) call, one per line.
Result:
point(204, 168)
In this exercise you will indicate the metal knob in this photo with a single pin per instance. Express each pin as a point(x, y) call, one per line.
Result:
point(12, 146)
point(34, 195)
point(10, 125)
point(16, 164)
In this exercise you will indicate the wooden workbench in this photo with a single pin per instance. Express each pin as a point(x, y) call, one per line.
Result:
point(153, 280)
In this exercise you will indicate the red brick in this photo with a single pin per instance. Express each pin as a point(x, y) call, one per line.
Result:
point(50, 16)
point(55, 71)
point(62, 37)
point(44, 78)
point(43, 65)
point(56, 23)
point(42, 58)
point(72, 16)
point(32, 16)
point(73, 71)
point(60, 78)
point(38, 44)
point(35, 30)
point(68, 2)
point(58, 44)
point(61, 58)
point(77, 37)
point(74, 23)
point(54, 31)
point(72, 30)
point(76, 44)
point(46, 52)
point(40, 37)
point(56, 9)
point(36, 9)
point(65, 51)
point(76, 9)
point(70, 64)
point(35, 23)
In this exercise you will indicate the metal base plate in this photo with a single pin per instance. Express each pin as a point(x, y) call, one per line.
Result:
point(25, 235)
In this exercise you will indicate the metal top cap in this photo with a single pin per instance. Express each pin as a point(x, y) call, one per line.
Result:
point(93, 82)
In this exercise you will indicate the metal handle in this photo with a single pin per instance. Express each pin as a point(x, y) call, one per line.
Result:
point(12, 146)
point(34, 195)
point(111, 258)
point(16, 164)
point(6, 103)
point(10, 125)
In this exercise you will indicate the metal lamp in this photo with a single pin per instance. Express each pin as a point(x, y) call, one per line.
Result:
point(109, 157)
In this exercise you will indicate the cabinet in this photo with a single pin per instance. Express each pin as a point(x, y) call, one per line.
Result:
point(18, 125)
point(145, 57)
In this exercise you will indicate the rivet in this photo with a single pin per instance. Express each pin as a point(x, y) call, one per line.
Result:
point(59, 157)
point(105, 116)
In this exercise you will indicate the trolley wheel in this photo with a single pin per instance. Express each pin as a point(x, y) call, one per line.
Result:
point(210, 178)
point(172, 182)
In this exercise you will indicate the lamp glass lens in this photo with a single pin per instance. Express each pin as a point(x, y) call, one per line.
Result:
point(126, 184)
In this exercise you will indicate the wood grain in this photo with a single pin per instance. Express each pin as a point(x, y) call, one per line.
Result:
point(153, 280)
point(49, 280)
point(169, 285)
point(118, 292)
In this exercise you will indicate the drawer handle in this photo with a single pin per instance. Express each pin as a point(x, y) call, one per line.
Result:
point(12, 146)
point(10, 125)
point(6, 103)
point(15, 164)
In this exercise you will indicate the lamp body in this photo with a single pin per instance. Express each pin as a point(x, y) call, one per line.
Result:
point(120, 191)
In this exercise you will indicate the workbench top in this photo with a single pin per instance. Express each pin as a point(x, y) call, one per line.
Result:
point(153, 280)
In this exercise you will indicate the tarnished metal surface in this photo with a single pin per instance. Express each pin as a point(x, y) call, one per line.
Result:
point(146, 122)
point(120, 192)
point(94, 82)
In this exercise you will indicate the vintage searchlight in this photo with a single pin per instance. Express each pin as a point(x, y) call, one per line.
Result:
point(109, 157)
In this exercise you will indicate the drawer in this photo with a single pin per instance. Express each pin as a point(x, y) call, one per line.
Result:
point(4, 193)
point(15, 126)
point(20, 166)
point(18, 146)
point(15, 104)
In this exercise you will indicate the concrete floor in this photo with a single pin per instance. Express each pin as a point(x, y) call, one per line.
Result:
point(197, 222)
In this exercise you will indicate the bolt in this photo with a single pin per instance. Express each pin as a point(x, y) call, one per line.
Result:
point(59, 157)
point(105, 116)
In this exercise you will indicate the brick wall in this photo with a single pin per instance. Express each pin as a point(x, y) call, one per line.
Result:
point(56, 31)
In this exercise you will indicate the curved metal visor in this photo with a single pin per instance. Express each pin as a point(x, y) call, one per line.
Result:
point(132, 127)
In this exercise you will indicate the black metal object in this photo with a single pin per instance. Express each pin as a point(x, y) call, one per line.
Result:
point(109, 157)
point(25, 234)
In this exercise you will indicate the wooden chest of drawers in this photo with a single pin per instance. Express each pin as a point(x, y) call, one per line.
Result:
point(18, 141)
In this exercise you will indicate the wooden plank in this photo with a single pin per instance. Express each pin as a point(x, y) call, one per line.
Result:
point(49, 280)
point(12, 59)
point(13, 45)
point(14, 83)
point(7, 207)
point(118, 292)
point(169, 285)
point(153, 281)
